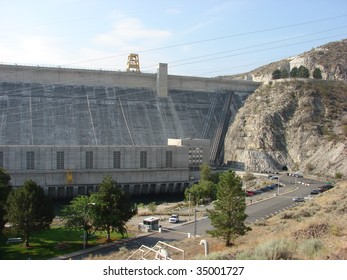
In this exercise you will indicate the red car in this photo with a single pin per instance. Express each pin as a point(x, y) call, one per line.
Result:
point(249, 193)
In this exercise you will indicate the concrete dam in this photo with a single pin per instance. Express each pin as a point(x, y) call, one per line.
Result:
point(58, 107)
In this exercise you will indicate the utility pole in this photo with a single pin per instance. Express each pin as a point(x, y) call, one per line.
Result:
point(85, 237)
point(278, 184)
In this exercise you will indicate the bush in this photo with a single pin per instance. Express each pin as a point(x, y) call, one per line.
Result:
point(338, 175)
point(248, 176)
point(287, 215)
point(152, 207)
point(310, 248)
point(273, 250)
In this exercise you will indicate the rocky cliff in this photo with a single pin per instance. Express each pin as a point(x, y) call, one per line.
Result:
point(300, 124)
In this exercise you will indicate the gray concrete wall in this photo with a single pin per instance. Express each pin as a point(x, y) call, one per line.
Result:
point(64, 76)
point(210, 84)
point(36, 114)
point(46, 173)
point(162, 80)
point(14, 157)
point(76, 77)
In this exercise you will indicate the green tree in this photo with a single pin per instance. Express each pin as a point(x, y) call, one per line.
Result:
point(113, 207)
point(5, 189)
point(294, 72)
point(228, 215)
point(317, 74)
point(303, 72)
point(29, 210)
point(207, 175)
point(205, 172)
point(204, 191)
point(80, 214)
point(276, 74)
point(284, 73)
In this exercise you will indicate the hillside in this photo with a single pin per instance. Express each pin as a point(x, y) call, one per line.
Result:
point(331, 59)
point(301, 124)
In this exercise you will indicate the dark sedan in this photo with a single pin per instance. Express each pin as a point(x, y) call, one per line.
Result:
point(315, 192)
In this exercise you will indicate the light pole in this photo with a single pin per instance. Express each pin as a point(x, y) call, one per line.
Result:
point(278, 184)
point(195, 224)
point(189, 207)
point(85, 225)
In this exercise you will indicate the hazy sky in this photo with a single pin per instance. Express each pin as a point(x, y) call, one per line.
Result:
point(196, 37)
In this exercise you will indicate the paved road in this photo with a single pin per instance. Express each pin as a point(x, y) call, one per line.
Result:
point(256, 211)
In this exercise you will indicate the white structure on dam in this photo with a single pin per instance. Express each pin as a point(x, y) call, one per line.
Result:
point(67, 128)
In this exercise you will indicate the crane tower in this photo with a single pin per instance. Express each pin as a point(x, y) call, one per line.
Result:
point(133, 63)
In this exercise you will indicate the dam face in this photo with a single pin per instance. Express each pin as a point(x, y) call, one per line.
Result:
point(67, 107)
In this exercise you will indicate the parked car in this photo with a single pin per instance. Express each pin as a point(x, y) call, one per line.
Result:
point(315, 192)
point(298, 199)
point(258, 192)
point(249, 193)
point(174, 218)
point(325, 188)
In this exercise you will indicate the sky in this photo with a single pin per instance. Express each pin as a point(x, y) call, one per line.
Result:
point(204, 38)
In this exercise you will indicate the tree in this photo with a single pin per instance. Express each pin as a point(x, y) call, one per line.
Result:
point(204, 191)
point(294, 72)
point(303, 72)
point(317, 74)
point(29, 210)
point(80, 214)
point(276, 74)
point(113, 207)
point(5, 189)
point(205, 172)
point(228, 215)
point(207, 175)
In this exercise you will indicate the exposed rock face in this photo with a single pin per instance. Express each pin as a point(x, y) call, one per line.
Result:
point(301, 124)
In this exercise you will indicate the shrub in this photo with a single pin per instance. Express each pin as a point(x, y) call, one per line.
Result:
point(273, 250)
point(338, 175)
point(248, 176)
point(335, 230)
point(152, 207)
point(310, 167)
point(309, 248)
point(287, 215)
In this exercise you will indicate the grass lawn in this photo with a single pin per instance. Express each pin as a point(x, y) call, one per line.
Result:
point(50, 243)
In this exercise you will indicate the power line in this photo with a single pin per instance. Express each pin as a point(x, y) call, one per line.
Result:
point(253, 46)
point(210, 39)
